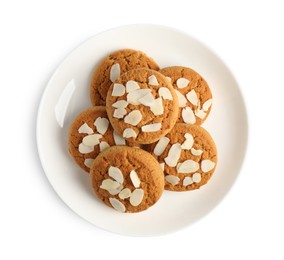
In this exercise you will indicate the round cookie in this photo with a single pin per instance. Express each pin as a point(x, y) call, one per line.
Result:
point(187, 155)
point(142, 106)
point(127, 179)
point(194, 94)
point(112, 67)
point(91, 133)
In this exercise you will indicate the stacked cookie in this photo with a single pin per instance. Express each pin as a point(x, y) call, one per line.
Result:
point(143, 133)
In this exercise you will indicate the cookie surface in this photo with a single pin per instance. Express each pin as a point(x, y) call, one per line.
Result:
point(112, 67)
point(188, 156)
point(91, 133)
point(142, 106)
point(127, 179)
point(194, 94)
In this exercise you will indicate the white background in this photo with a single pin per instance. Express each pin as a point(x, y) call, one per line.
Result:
point(36, 36)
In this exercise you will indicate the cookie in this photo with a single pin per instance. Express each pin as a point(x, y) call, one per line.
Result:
point(194, 94)
point(187, 155)
point(127, 179)
point(142, 106)
point(112, 67)
point(91, 133)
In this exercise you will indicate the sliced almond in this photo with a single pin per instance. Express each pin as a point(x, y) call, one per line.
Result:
point(182, 82)
point(136, 197)
point(124, 194)
point(181, 99)
point(192, 97)
point(188, 166)
point(147, 100)
point(157, 108)
point(161, 146)
point(196, 177)
point(173, 155)
point(165, 93)
point(169, 79)
point(118, 139)
point(131, 85)
point(187, 144)
point(116, 204)
point(115, 191)
point(207, 104)
point(91, 140)
point(162, 166)
point(151, 127)
point(196, 152)
point(103, 146)
point(119, 112)
point(118, 90)
point(128, 133)
point(133, 118)
point(85, 129)
point(120, 104)
point(188, 115)
point(174, 180)
point(187, 181)
point(88, 162)
point(109, 184)
point(135, 179)
point(114, 72)
point(101, 124)
point(83, 149)
point(200, 113)
point(207, 165)
point(152, 80)
point(116, 173)
point(135, 95)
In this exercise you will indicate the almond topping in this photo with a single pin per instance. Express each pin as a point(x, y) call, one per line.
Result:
point(91, 140)
point(207, 165)
point(200, 113)
point(187, 166)
point(147, 100)
point(157, 108)
point(161, 146)
point(187, 144)
point(135, 179)
point(118, 139)
point(131, 85)
point(136, 197)
point(116, 204)
point(85, 129)
point(116, 173)
point(188, 115)
point(135, 95)
point(151, 127)
point(192, 97)
point(88, 162)
point(83, 149)
point(152, 80)
point(119, 112)
point(182, 82)
point(114, 72)
point(173, 155)
point(196, 177)
point(187, 181)
point(133, 118)
point(196, 152)
point(181, 99)
point(174, 180)
point(207, 104)
point(128, 133)
point(103, 145)
point(118, 90)
point(109, 184)
point(102, 125)
point(165, 93)
point(124, 194)
point(120, 104)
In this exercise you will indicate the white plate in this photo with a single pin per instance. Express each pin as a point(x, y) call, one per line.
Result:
point(67, 93)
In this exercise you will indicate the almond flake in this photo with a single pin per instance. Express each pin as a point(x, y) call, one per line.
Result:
point(196, 177)
point(188, 166)
point(109, 184)
point(200, 113)
point(119, 112)
point(115, 191)
point(169, 79)
point(207, 165)
point(136, 197)
point(161, 146)
point(188, 115)
point(116, 204)
point(88, 162)
point(135, 95)
point(182, 82)
point(83, 149)
point(135, 179)
point(165, 93)
point(196, 152)
point(192, 97)
point(128, 133)
point(147, 100)
point(173, 155)
point(118, 139)
point(116, 173)
point(207, 104)
point(120, 104)
point(102, 125)
point(131, 85)
point(152, 80)
point(103, 146)
point(85, 129)
point(124, 194)
point(174, 180)
point(91, 140)
point(187, 144)
point(151, 127)
point(114, 72)
point(187, 181)
point(133, 118)
point(162, 166)
point(157, 108)
point(118, 90)
point(181, 99)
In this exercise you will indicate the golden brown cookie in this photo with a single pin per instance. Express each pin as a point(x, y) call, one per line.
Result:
point(127, 179)
point(112, 67)
point(194, 94)
point(188, 156)
point(91, 133)
point(142, 106)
